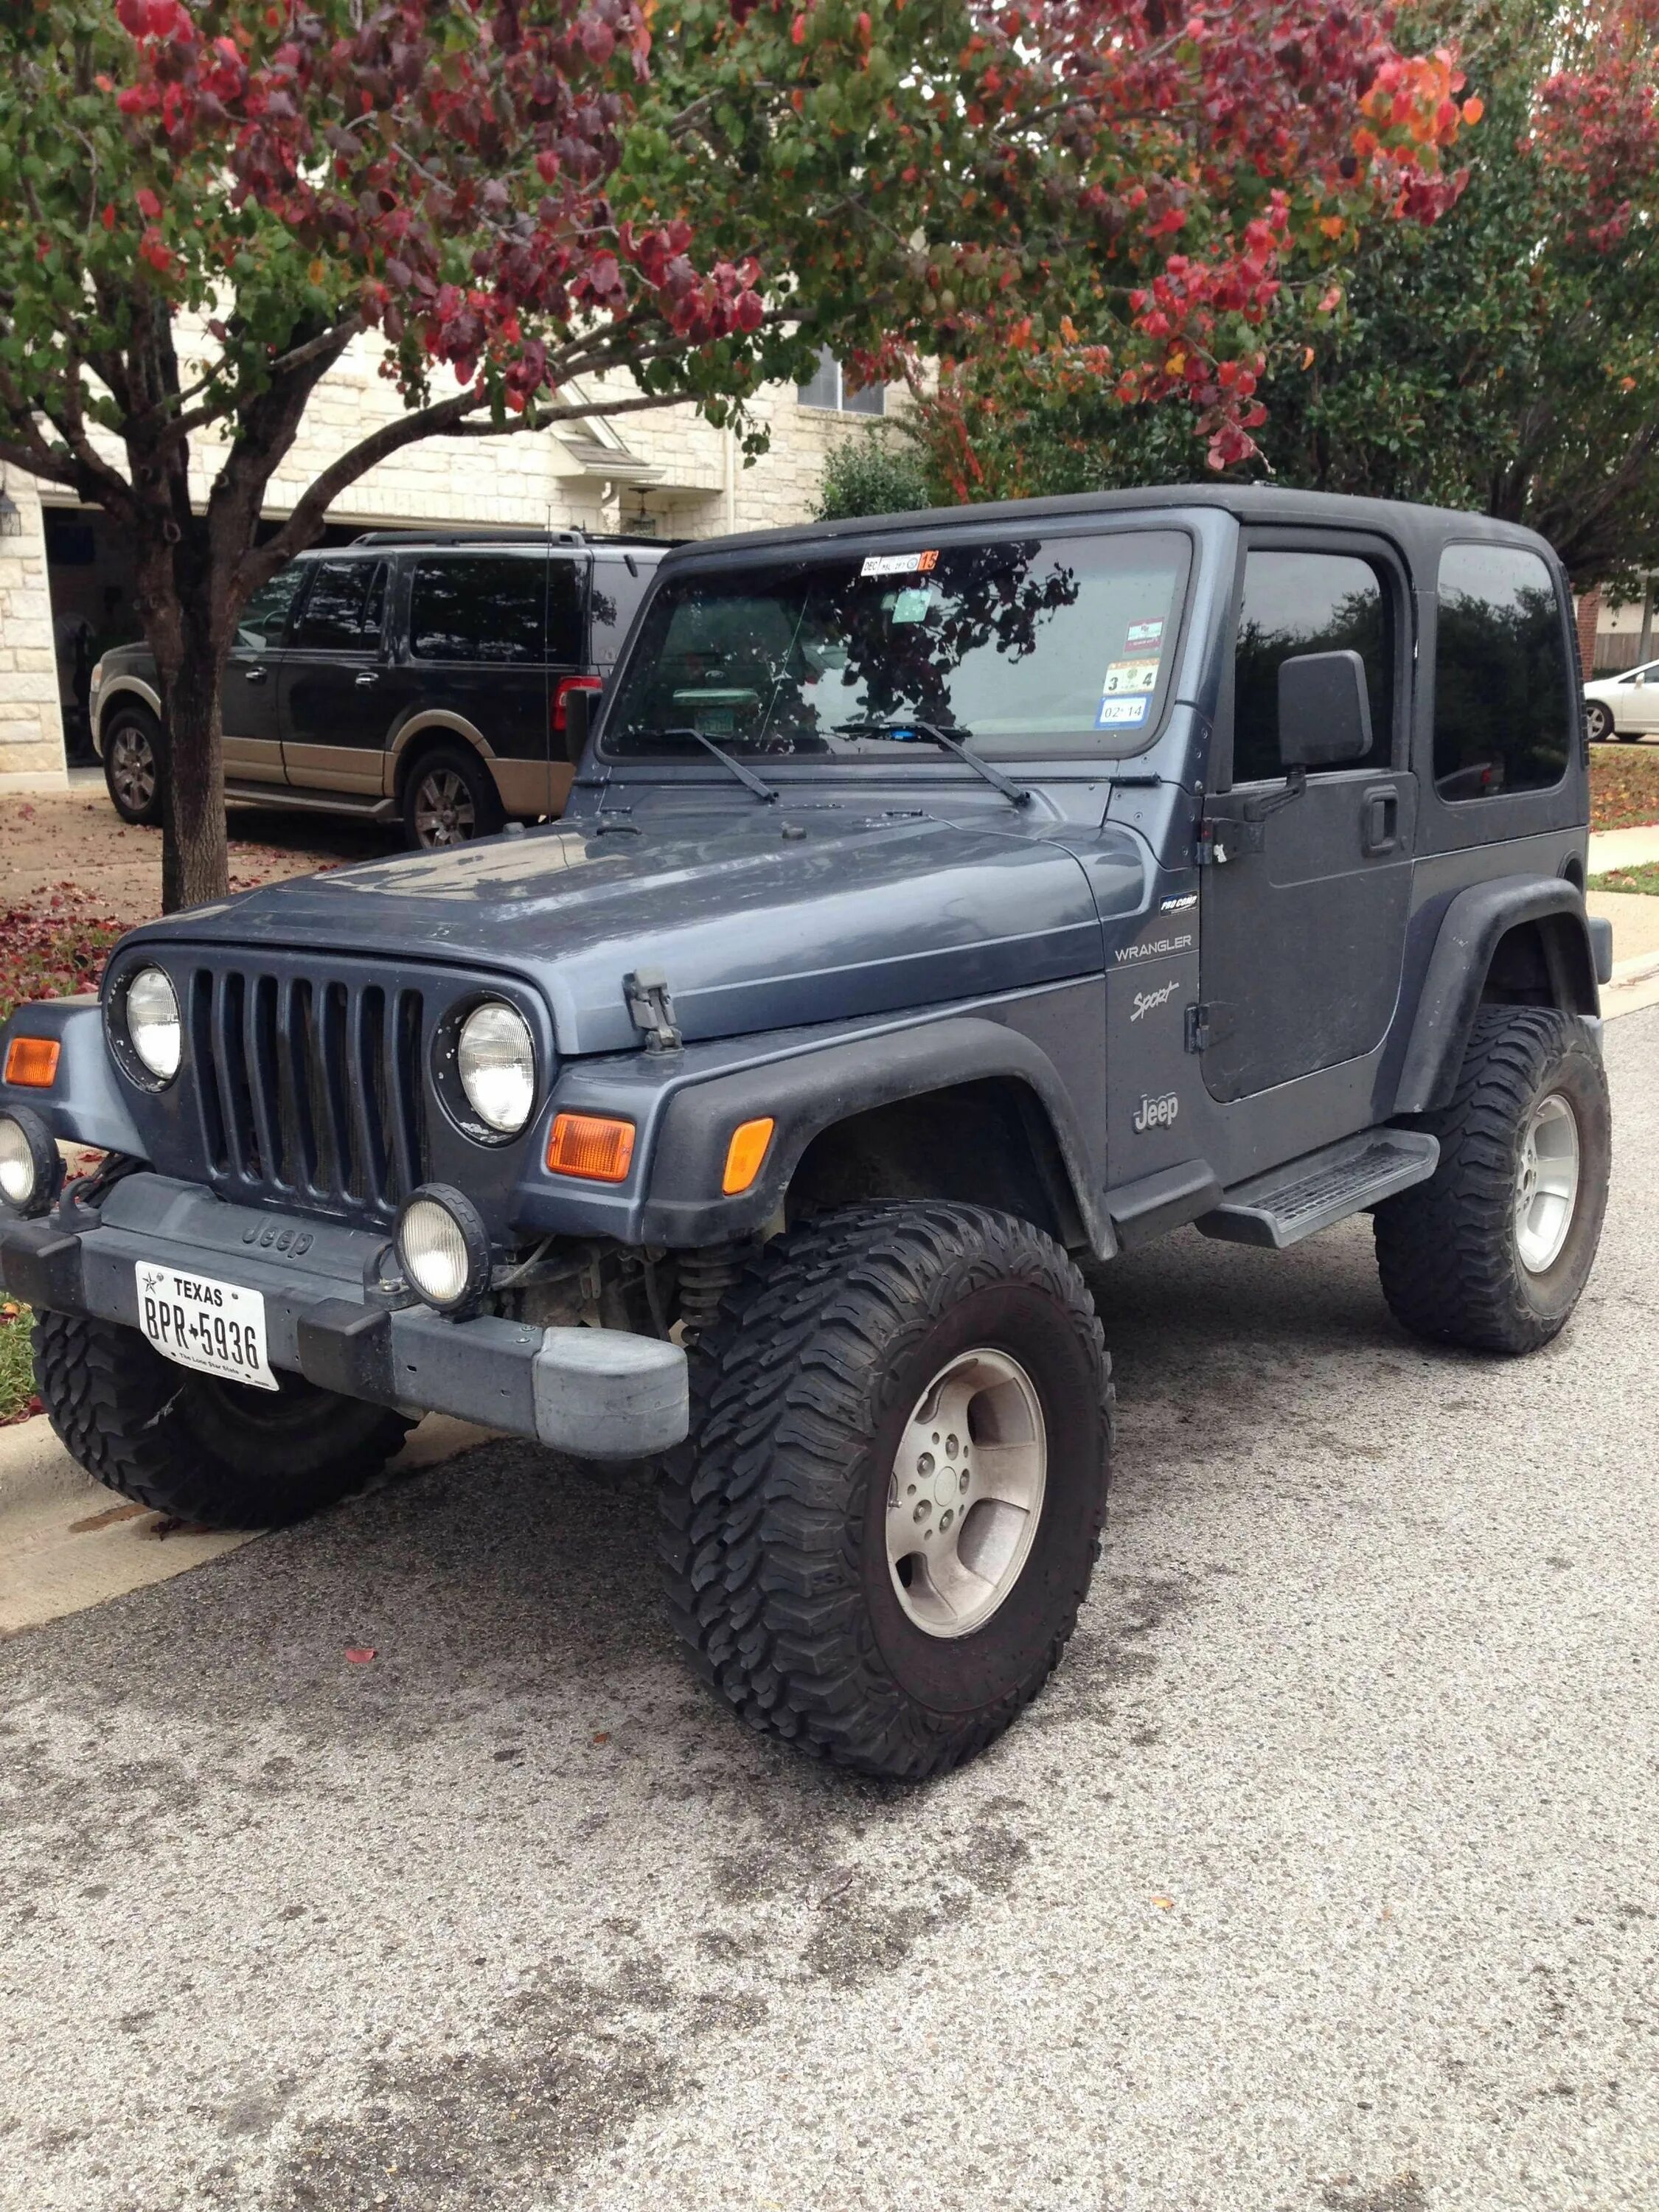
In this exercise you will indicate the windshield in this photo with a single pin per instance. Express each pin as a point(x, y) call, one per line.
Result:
point(1028, 648)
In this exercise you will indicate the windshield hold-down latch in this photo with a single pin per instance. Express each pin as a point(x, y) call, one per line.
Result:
point(652, 1010)
point(1230, 825)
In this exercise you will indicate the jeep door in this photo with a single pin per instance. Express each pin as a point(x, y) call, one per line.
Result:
point(252, 736)
point(333, 714)
point(487, 637)
point(1303, 940)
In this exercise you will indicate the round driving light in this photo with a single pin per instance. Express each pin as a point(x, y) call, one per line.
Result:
point(443, 1247)
point(496, 1060)
point(31, 1166)
point(152, 1016)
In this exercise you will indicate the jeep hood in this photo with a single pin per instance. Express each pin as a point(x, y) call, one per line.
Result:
point(761, 923)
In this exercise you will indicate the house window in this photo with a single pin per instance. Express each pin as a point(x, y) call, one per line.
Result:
point(827, 387)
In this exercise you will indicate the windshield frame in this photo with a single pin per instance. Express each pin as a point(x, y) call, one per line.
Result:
point(1095, 761)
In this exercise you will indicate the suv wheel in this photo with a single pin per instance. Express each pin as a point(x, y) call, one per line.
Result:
point(132, 764)
point(1598, 721)
point(450, 798)
point(877, 1540)
point(1494, 1249)
point(219, 1454)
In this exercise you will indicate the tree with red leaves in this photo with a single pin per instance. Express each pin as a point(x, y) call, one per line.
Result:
point(517, 194)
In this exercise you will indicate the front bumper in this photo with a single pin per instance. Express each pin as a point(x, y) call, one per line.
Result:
point(602, 1393)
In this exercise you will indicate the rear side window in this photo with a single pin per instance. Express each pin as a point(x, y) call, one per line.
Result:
point(342, 608)
point(1298, 602)
point(1503, 715)
point(496, 608)
point(617, 595)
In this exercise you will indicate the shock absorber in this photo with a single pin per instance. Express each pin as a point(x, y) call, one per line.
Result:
point(706, 1275)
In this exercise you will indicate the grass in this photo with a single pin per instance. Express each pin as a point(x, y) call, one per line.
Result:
point(1624, 787)
point(1645, 878)
point(17, 1397)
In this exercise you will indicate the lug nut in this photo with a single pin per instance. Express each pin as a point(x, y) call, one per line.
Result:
point(925, 1464)
point(921, 1511)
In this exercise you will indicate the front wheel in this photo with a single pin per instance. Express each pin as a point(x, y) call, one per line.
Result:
point(879, 1537)
point(1598, 721)
point(1494, 1251)
point(132, 765)
point(222, 1454)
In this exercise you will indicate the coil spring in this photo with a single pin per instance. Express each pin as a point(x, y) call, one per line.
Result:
point(706, 1275)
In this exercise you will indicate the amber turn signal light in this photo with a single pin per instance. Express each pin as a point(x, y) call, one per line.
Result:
point(591, 1146)
point(744, 1153)
point(33, 1061)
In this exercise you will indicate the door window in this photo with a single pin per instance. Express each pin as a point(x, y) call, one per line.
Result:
point(342, 610)
point(491, 608)
point(1296, 603)
point(265, 615)
point(1502, 717)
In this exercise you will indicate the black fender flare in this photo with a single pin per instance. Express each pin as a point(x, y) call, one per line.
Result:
point(808, 1092)
point(1475, 923)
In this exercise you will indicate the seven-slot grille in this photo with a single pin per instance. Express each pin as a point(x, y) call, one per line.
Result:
point(309, 1089)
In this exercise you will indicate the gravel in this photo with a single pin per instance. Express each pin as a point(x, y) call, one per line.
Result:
point(1324, 1875)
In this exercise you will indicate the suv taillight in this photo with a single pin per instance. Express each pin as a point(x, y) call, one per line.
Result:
point(561, 692)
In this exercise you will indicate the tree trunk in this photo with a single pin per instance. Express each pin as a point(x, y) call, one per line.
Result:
point(194, 856)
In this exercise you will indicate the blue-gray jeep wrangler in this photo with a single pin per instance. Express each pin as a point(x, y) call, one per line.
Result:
point(945, 902)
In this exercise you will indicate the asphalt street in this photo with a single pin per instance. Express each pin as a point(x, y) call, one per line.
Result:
point(1325, 1876)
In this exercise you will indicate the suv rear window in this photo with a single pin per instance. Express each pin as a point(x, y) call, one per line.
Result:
point(491, 607)
point(1503, 715)
point(1030, 646)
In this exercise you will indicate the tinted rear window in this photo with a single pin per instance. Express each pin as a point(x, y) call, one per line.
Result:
point(1502, 698)
point(492, 607)
point(617, 593)
point(342, 608)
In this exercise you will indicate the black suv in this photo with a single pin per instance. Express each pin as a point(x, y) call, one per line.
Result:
point(412, 677)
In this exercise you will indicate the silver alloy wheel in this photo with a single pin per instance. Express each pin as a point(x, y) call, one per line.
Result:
point(443, 809)
point(132, 767)
point(1598, 721)
point(966, 1495)
point(1546, 1183)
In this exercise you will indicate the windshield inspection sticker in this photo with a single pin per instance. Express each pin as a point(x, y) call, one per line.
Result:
point(1137, 675)
point(912, 606)
point(1143, 634)
point(900, 564)
point(1121, 711)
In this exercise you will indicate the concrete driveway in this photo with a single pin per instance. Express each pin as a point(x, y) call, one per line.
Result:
point(1325, 1874)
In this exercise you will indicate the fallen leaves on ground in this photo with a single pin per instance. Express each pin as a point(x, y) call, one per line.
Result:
point(17, 1398)
point(1646, 878)
point(1624, 787)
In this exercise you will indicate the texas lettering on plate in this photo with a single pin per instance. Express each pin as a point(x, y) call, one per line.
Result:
point(218, 1329)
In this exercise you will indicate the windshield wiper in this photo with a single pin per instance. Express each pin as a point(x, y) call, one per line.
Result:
point(893, 725)
point(726, 760)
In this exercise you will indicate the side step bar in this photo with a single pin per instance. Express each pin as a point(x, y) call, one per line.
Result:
point(1305, 1196)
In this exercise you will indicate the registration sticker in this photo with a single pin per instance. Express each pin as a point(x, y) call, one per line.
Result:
point(218, 1329)
point(1124, 711)
point(1131, 676)
point(1143, 633)
point(900, 564)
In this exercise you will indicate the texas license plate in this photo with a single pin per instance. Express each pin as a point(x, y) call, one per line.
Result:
point(219, 1329)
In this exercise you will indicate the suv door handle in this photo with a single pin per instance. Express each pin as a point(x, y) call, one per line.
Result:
point(256, 671)
point(1381, 833)
point(368, 675)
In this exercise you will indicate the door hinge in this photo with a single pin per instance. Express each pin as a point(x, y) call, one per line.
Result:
point(1230, 825)
point(1198, 1028)
point(652, 1009)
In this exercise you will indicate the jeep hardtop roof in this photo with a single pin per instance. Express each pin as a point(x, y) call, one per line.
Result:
point(1416, 530)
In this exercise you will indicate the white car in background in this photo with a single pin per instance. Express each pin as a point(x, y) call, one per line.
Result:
point(1624, 706)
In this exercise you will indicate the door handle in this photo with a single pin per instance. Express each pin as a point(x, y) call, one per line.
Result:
point(1381, 833)
point(257, 672)
point(367, 676)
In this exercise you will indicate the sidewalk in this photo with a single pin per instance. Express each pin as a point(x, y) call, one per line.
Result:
point(1623, 848)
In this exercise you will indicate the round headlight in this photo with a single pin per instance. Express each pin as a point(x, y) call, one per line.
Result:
point(152, 1012)
point(496, 1060)
point(31, 1165)
point(443, 1247)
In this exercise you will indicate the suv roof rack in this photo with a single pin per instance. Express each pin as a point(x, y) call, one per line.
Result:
point(480, 537)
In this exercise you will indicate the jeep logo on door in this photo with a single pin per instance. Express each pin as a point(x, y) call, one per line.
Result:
point(1156, 1113)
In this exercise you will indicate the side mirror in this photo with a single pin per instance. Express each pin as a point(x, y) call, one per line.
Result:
point(573, 700)
point(1324, 714)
